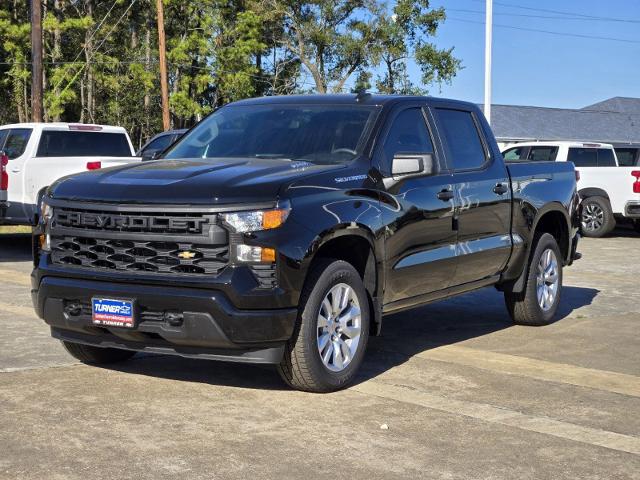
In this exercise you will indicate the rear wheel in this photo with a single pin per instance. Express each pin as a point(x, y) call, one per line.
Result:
point(538, 302)
point(331, 334)
point(97, 355)
point(597, 217)
point(636, 225)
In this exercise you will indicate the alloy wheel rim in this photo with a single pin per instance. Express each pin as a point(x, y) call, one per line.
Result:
point(548, 280)
point(338, 329)
point(592, 217)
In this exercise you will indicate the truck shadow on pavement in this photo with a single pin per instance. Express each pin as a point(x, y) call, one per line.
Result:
point(15, 247)
point(405, 334)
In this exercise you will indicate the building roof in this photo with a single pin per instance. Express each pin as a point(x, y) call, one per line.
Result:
point(617, 104)
point(512, 123)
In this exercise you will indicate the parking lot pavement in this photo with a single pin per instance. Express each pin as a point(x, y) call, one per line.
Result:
point(464, 394)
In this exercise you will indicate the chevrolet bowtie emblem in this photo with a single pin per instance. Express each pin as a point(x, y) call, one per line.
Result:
point(186, 255)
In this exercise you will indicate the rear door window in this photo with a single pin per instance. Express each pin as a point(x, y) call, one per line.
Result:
point(462, 138)
point(583, 157)
point(516, 154)
point(16, 142)
point(60, 143)
point(627, 157)
point(543, 154)
point(606, 158)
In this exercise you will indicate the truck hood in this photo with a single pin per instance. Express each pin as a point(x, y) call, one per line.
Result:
point(194, 181)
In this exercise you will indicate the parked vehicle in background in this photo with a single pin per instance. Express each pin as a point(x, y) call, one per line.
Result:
point(609, 192)
point(159, 143)
point(628, 156)
point(280, 230)
point(37, 154)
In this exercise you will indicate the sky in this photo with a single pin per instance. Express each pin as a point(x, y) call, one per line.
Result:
point(542, 69)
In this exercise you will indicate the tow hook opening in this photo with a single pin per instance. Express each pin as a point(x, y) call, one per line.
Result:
point(175, 319)
point(72, 308)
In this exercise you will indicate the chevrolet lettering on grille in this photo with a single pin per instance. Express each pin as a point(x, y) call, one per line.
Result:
point(120, 222)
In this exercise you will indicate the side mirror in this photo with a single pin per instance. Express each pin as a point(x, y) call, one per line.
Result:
point(411, 164)
point(150, 154)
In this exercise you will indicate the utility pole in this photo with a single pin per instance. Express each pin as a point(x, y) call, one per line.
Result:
point(36, 61)
point(164, 85)
point(488, 41)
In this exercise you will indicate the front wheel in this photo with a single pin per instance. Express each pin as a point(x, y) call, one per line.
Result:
point(97, 355)
point(538, 302)
point(330, 338)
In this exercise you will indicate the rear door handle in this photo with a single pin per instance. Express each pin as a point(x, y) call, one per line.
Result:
point(500, 189)
point(445, 195)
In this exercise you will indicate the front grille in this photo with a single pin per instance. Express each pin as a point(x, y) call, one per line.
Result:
point(164, 243)
point(128, 255)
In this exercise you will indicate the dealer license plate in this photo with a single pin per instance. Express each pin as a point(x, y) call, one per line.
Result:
point(110, 312)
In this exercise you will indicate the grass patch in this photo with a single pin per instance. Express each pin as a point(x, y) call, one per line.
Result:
point(14, 229)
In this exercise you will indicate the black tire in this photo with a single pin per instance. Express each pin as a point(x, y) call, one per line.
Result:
point(636, 225)
point(524, 307)
point(97, 355)
point(597, 217)
point(302, 367)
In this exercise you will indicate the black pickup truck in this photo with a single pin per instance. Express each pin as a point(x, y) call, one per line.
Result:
point(281, 230)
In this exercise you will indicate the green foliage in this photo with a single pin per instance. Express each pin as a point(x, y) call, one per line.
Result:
point(101, 57)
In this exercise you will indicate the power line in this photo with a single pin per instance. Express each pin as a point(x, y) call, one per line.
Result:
point(550, 32)
point(90, 38)
point(560, 12)
point(528, 15)
point(100, 45)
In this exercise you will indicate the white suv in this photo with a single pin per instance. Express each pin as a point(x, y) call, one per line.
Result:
point(607, 190)
point(34, 155)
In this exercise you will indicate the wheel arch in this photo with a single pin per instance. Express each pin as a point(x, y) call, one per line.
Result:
point(555, 222)
point(593, 192)
point(357, 246)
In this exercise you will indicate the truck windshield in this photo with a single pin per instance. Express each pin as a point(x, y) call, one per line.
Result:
point(314, 133)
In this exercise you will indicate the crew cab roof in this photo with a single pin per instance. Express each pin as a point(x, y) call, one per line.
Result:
point(346, 99)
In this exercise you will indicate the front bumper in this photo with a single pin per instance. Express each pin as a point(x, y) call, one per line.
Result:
point(632, 210)
point(209, 325)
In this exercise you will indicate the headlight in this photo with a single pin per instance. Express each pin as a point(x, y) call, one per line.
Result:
point(243, 222)
point(46, 212)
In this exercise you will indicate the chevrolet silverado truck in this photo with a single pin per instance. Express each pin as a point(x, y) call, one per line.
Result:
point(609, 192)
point(282, 230)
point(34, 155)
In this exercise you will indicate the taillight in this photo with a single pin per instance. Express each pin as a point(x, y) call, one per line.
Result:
point(4, 175)
point(577, 175)
point(636, 184)
point(94, 165)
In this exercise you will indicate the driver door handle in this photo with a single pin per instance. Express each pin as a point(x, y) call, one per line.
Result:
point(500, 189)
point(445, 195)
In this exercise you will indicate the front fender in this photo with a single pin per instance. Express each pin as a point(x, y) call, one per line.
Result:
point(314, 221)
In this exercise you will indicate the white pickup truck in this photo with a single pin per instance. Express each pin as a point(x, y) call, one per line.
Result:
point(608, 192)
point(34, 155)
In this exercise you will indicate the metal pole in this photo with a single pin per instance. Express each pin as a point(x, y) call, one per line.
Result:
point(487, 59)
point(36, 61)
point(164, 85)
